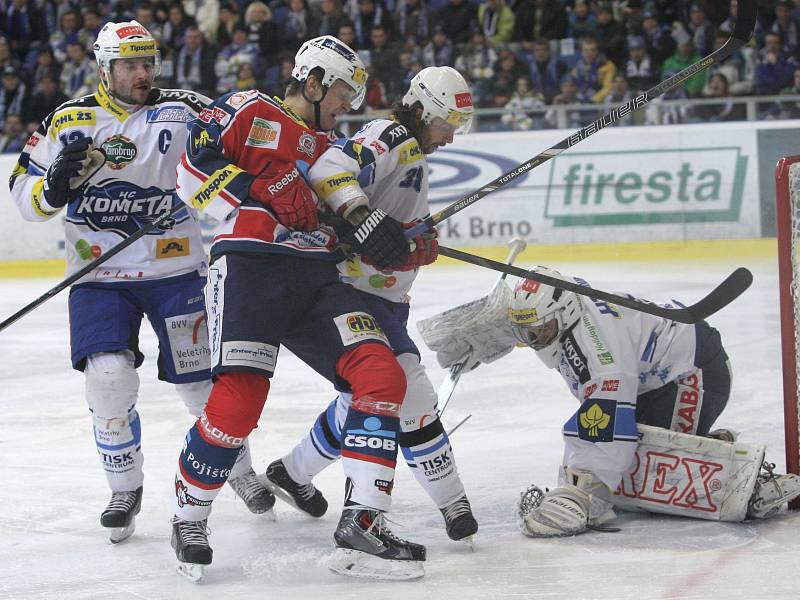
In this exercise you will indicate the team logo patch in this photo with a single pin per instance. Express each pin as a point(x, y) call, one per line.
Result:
point(188, 342)
point(172, 247)
point(307, 144)
point(130, 30)
point(239, 98)
point(412, 153)
point(596, 422)
point(137, 48)
point(250, 354)
point(87, 251)
point(522, 316)
point(72, 118)
point(263, 134)
point(357, 327)
point(119, 151)
point(168, 114)
point(463, 99)
point(530, 286)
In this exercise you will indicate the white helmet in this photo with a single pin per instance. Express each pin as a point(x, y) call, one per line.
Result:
point(337, 60)
point(129, 39)
point(540, 314)
point(443, 93)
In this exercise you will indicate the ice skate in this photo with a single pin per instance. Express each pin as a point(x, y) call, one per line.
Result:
point(771, 492)
point(119, 515)
point(366, 548)
point(305, 498)
point(257, 497)
point(459, 520)
point(190, 541)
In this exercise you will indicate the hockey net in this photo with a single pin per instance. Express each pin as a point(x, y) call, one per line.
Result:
point(787, 196)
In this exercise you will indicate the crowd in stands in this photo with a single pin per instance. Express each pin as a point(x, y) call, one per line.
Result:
point(520, 56)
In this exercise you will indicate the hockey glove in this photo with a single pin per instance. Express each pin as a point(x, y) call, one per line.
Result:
point(76, 162)
point(381, 241)
point(425, 250)
point(281, 187)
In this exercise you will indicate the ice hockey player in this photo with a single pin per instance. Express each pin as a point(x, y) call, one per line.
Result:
point(273, 280)
point(110, 159)
point(650, 390)
point(384, 166)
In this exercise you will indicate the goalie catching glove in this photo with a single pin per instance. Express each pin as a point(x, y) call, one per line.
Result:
point(73, 166)
point(280, 187)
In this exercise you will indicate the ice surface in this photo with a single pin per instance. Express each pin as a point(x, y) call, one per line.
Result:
point(53, 489)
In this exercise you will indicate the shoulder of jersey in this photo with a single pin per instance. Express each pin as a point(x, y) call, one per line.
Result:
point(394, 135)
point(193, 100)
point(77, 103)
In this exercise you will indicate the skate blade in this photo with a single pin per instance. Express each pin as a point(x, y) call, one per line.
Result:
point(469, 542)
point(191, 571)
point(120, 534)
point(281, 495)
point(354, 563)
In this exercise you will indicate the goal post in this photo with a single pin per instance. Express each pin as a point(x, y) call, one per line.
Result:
point(787, 214)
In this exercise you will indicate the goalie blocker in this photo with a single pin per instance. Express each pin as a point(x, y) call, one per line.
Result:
point(673, 473)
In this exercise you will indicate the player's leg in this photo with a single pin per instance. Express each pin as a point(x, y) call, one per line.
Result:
point(175, 309)
point(104, 325)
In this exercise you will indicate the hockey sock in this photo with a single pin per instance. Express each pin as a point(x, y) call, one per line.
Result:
point(430, 458)
point(119, 444)
point(203, 468)
point(317, 450)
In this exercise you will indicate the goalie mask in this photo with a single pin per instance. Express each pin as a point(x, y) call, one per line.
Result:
point(443, 93)
point(124, 40)
point(540, 314)
point(337, 60)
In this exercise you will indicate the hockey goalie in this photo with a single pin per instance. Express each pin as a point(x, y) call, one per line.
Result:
point(649, 389)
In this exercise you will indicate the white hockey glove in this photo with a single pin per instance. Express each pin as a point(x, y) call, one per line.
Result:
point(560, 512)
point(480, 327)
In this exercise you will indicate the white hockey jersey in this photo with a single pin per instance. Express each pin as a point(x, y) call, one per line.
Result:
point(608, 359)
point(134, 186)
point(385, 160)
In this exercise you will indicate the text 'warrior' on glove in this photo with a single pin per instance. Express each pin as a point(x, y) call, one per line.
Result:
point(76, 162)
point(281, 187)
point(381, 240)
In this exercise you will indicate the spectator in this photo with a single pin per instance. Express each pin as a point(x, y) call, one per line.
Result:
point(298, 26)
point(411, 67)
point(240, 51)
point(619, 95)
point(279, 76)
point(610, 35)
point(68, 26)
point(632, 16)
point(700, 30)
point(175, 27)
point(414, 22)
point(371, 13)
point(194, 67)
point(525, 109)
point(330, 17)
point(13, 95)
point(569, 94)
point(376, 97)
point(47, 99)
point(593, 72)
point(79, 74)
point(46, 65)
point(497, 21)
point(546, 70)
point(228, 21)
point(14, 134)
point(347, 34)
point(205, 14)
point(385, 58)
point(658, 40)
point(23, 26)
point(726, 110)
point(582, 21)
point(684, 56)
point(730, 22)
point(736, 68)
point(5, 55)
point(785, 26)
point(476, 64)
point(791, 110)
point(540, 19)
point(669, 109)
point(504, 81)
point(639, 69)
point(439, 51)
point(245, 78)
point(263, 31)
point(458, 19)
point(92, 23)
point(774, 69)
point(121, 10)
point(146, 16)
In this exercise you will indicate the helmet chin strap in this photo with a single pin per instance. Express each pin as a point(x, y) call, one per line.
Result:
point(316, 104)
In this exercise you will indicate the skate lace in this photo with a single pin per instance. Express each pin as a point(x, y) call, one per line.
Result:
point(456, 509)
point(247, 486)
point(306, 491)
point(379, 524)
point(123, 501)
point(193, 532)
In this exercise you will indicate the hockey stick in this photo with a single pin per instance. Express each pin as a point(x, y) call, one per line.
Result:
point(722, 295)
point(448, 386)
point(745, 23)
point(91, 266)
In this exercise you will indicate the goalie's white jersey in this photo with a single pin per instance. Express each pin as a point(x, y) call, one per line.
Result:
point(608, 359)
point(135, 185)
point(387, 163)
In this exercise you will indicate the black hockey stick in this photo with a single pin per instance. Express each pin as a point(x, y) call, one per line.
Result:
point(745, 23)
point(722, 295)
point(91, 266)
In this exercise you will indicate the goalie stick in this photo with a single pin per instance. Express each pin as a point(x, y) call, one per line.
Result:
point(745, 23)
point(722, 295)
point(448, 386)
point(91, 266)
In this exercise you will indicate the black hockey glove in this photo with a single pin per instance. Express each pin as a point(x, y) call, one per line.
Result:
point(68, 164)
point(381, 240)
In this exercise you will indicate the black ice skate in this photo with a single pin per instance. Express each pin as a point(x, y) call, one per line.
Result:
point(257, 497)
point(190, 541)
point(366, 547)
point(305, 498)
point(459, 520)
point(119, 515)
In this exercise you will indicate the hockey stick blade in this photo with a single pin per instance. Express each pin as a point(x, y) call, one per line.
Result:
point(160, 220)
point(725, 293)
point(745, 23)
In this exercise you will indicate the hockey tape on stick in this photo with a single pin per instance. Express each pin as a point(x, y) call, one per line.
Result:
point(725, 293)
point(745, 23)
point(91, 266)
